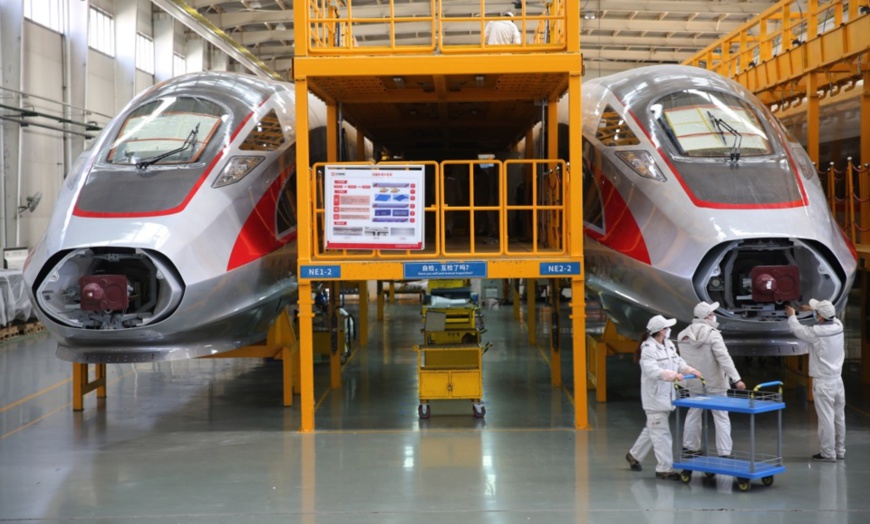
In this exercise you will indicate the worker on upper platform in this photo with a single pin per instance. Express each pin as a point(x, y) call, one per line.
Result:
point(500, 32)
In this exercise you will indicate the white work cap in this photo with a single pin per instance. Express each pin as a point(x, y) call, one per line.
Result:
point(508, 13)
point(824, 308)
point(704, 309)
point(658, 323)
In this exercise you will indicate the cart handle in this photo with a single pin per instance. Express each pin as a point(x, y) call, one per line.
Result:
point(677, 385)
point(767, 384)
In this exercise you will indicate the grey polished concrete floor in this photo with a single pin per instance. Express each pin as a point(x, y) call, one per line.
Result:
point(208, 441)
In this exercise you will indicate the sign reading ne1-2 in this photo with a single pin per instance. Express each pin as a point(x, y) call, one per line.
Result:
point(560, 268)
point(374, 206)
point(320, 272)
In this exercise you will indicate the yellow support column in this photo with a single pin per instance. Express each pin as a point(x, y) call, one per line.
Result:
point(555, 335)
point(380, 289)
point(575, 240)
point(813, 117)
point(532, 309)
point(281, 335)
point(304, 228)
point(336, 335)
point(82, 386)
point(864, 189)
point(363, 314)
point(392, 291)
point(515, 297)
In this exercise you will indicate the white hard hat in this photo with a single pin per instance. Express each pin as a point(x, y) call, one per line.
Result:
point(658, 323)
point(823, 308)
point(704, 309)
point(508, 13)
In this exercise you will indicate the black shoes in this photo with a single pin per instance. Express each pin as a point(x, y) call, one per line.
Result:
point(818, 457)
point(633, 463)
point(667, 475)
point(691, 452)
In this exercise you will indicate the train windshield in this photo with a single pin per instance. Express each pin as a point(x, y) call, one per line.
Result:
point(172, 130)
point(711, 124)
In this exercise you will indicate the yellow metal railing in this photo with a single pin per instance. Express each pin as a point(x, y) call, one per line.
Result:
point(474, 212)
point(336, 27)
point(772, 53)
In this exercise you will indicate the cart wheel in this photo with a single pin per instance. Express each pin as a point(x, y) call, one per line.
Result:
point(686, 476)
point(709, 475)
point(767, 481)
point(478, 410)
point(423, 410)
point(743, 484)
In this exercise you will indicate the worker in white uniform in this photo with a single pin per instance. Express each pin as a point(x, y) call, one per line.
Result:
point(827, 352)
point(702, 347)
point(500, 32)
point(660, 367)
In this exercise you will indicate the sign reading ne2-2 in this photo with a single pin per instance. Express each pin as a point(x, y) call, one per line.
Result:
point(374, 207)
point(560, 268)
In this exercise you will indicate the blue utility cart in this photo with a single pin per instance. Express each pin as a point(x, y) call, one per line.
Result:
point(744, 466)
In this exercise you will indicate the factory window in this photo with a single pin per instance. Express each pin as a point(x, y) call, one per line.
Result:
point(145, 53)
point(179, 64)
point(711, 124)
point(48, 13)
point(266, 135)
point(614, 131)
point(101, 34)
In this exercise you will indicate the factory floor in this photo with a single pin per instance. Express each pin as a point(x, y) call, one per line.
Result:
point(207, 441)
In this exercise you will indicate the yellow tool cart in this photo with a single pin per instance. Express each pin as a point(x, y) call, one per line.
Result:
point(450, 362)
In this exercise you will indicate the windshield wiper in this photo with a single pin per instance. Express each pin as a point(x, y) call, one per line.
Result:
point(734, 155)
point(188, 143)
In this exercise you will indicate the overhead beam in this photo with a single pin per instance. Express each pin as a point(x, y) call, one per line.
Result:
point(215, 36)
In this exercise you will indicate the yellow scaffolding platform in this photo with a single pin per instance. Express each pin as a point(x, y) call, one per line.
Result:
point(443, 91)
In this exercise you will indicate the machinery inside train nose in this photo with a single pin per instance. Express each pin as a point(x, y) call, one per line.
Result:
point(755, 279)
point(109, 288)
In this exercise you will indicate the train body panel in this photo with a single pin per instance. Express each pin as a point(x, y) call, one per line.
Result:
point(693, 191)
point(175, 235)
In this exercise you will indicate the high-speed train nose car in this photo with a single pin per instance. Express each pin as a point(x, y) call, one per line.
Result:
point(694, 191)
point(174, 236)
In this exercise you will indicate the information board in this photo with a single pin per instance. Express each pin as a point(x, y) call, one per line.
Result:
point(374, 207)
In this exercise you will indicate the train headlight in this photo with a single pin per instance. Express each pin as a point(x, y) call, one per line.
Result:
point(642, 163)
point(236, 169)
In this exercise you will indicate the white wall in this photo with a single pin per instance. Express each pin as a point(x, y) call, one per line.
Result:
point(42, 160)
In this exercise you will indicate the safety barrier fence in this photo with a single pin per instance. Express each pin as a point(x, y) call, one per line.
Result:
point(848, 189)
point(480, 208)
point(338, 27)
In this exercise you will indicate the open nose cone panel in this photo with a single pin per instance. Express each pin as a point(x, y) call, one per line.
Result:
point(110, 288)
